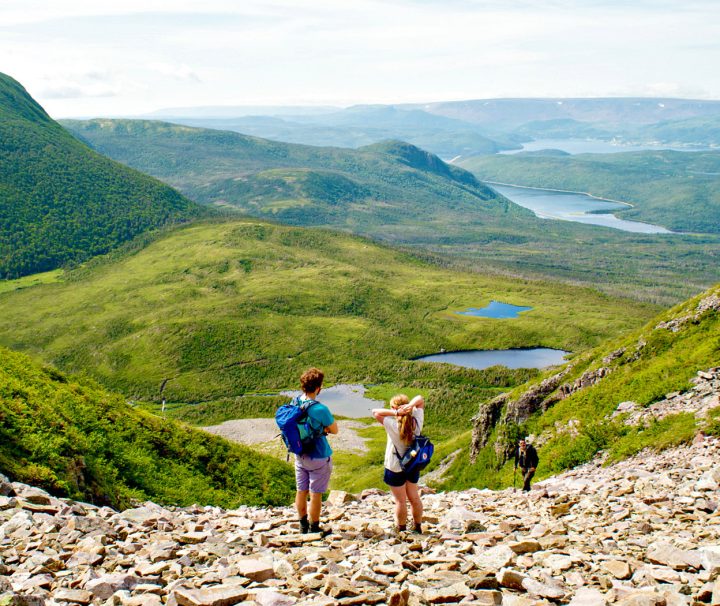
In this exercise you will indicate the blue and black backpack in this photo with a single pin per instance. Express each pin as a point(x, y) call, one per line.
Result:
point(418, 454)
point(296, 429)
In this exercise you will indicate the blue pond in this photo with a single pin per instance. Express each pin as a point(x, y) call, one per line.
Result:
point(539, 357)
point(495, 310)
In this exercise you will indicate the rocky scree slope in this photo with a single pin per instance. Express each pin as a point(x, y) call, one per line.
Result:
point(645, 531)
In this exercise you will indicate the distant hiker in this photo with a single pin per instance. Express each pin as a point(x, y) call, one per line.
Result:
point(526, 458)
point(314, 466)
point(402, 422)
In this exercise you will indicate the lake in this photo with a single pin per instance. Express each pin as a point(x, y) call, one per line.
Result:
point(345, 400)
point(497, 310)
point(594, 146)
point(539, 357)
point(569, 206)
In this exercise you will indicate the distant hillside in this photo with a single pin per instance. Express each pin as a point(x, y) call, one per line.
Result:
point(377, 192)
point(63, 202)
point(355, 127)
point(78, 440)
point(380, 186)
point(678, 190)
point(508, 114)
point(702, 130)
point(642, 390)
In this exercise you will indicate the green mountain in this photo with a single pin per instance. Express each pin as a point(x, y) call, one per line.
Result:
point(678, 190)
point(218, 311)
point(298, 184)
point(572, 413)
point(397, 193)
point(76, 439)
point(62, 202)
point(355, 127)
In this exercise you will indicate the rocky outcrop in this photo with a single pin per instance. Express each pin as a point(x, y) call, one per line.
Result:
point(702, 397)
point(644, 531)
point(531, 401)
point(484, 422)
point(709, 303)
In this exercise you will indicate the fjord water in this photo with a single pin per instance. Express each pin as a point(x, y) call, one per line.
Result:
point(596, 146)
point(539, 357)
point(496, 310)
point(569, 206)
point(345, 400)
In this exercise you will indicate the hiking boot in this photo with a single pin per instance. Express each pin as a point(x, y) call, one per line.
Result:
point(304, 525)
point(417, 528)
point(400, 529)
point(315, 527)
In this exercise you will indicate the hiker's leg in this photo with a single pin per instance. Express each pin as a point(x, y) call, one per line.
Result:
point(301, 498)
point(413, 495)
point(527, 477)
point(315, 506)
point(400, 496)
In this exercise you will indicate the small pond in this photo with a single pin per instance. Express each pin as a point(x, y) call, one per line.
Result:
point(345, 400)
point(538, 357)
point(495, 310)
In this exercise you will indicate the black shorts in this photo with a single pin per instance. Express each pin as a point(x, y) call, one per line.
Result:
point(397, 479)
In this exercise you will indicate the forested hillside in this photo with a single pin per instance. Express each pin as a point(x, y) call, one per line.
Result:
point(398, 193)
point(76, 439)
point(61, 202)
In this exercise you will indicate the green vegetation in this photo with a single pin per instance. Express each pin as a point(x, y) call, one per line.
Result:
point(217, 310)
point(62, 202)
point(360, 126)
point(78, 440)
point(655, 361)
point(678, 190)
point(397, 193)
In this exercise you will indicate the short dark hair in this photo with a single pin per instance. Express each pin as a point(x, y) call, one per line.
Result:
point(311, 380)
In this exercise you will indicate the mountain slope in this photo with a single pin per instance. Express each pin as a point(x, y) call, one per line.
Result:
point(76, 439)
point(678, 190)
point(659, 374)
point(219, 167)
point(221, 310)
point(63, 202)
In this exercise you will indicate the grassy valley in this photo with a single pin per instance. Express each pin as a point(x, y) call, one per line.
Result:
point(678, 190)
point(222, 310)
point(62, 202)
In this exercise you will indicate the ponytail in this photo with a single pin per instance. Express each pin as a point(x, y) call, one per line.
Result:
point(406, 423)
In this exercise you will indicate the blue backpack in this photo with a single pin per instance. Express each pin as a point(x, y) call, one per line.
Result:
point(418, 454)
point(295, 428)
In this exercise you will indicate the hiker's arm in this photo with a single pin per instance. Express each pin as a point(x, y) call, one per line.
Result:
point(333, 428)
point(381, 413)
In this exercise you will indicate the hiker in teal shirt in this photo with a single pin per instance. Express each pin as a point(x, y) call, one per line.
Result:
point(313, 468)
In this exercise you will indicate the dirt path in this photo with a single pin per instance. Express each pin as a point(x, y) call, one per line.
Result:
point(263, 431)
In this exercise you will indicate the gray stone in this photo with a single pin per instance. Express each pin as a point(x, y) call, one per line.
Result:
point(220, 595)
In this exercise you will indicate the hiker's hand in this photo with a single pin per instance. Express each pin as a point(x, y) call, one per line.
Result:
point(405, 409)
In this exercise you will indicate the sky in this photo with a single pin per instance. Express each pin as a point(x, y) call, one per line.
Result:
point(97, 58)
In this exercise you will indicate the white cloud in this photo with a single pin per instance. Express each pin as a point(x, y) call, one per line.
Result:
point(143, 54)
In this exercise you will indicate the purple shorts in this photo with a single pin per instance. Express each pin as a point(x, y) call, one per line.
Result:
point(312, 474)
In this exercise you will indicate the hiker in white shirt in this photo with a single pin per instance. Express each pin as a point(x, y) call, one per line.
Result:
point(402, 422)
